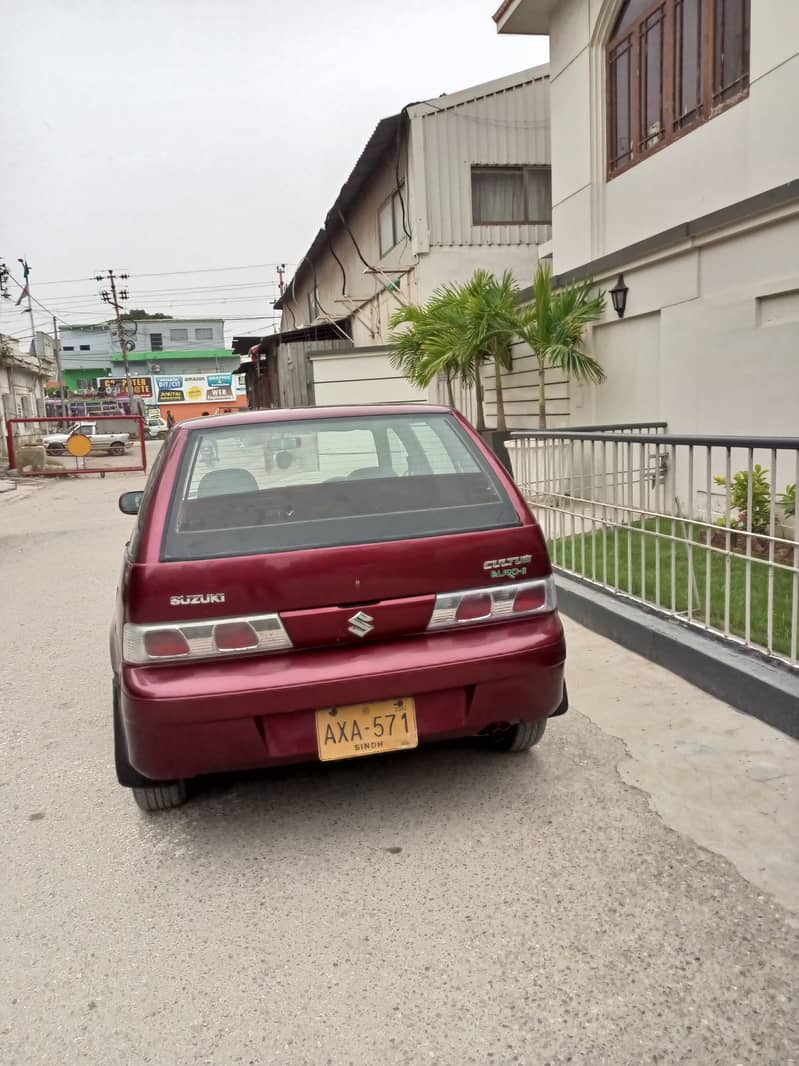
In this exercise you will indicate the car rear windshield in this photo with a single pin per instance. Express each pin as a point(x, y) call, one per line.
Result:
point(323, 482)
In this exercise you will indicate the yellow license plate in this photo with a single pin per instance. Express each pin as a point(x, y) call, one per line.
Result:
point(366, 729)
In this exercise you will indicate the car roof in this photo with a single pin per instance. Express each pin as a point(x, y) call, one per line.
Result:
point(290, 414)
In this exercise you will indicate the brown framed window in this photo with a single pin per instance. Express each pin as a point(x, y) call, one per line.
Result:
point(672, 65)
point(688, 96)
point(731, 53)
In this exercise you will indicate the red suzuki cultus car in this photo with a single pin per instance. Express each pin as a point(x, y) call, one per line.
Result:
point(327, 584)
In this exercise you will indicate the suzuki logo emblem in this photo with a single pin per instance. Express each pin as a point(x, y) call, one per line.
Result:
point(360, 624)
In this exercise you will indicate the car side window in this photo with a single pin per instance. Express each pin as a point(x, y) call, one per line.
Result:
point(133, 543)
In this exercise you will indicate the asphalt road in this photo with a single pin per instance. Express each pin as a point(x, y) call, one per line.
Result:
point(626, 894)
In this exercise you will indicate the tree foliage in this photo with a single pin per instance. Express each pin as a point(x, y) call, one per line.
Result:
point(456, 333)
point(554, 324)
point(462, 328)
point(136, 313)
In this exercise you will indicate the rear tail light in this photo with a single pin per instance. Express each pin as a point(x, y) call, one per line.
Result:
point(494, 604)
point(530, 599)
point(235, 636)
point(473, 607)
point(165, 644)
point(203, 640)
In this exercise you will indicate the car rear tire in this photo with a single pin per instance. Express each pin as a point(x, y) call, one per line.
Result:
point(519, 737)
point(117, 448)
point(149, 795)
point(160, 797)
point(55, 449)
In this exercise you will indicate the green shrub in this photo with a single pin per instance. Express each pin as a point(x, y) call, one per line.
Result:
point(739, 498)
point(788, 501)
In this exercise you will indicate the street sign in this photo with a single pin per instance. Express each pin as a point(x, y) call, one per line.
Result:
point(78, 445)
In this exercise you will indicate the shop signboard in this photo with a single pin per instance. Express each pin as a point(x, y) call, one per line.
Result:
point(198, 388)
point(142, 387)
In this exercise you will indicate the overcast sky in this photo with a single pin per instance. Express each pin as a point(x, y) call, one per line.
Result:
point(155, 136)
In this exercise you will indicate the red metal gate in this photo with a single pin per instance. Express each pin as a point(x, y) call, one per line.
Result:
point(48, 454)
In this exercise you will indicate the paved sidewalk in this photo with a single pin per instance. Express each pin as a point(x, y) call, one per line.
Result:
point(718, 776)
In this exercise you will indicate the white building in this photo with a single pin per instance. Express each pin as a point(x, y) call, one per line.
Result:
point(23, 375)
point(442, 188)
point(675, 157)
point(84, 347)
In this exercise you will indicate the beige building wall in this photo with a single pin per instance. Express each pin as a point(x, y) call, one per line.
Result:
point(745, 150)
point(362, 376)
point(710, 336)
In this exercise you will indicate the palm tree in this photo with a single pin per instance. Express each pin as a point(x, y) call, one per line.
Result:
point(554, 324)
point(491, 316)
point(427, 338)
point(459, 330)
point(409, 346)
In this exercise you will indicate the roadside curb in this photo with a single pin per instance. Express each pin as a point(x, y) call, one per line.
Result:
point(740, 677)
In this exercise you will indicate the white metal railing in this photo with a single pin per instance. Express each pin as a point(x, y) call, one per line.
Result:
point(699, 528)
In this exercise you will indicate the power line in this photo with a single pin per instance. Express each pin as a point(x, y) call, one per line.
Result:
point(33, 298)
point(208, 270)
point(174, 273)
point(163, 305)
point(255, 289)
point(455, 110)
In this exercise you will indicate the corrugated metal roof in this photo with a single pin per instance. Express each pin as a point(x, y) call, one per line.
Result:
point(383, 137)
point(323, 331)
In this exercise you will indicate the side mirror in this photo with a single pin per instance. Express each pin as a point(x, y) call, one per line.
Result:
point(130, 502)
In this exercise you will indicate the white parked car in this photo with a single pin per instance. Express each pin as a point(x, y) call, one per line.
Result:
point(157, 429)
point(113, 443)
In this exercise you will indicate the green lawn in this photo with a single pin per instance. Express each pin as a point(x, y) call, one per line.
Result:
point(595, 555)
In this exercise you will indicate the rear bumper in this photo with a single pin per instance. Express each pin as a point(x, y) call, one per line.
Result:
point(211, 717)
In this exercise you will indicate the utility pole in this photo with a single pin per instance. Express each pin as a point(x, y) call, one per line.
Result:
point(281, 273)
point(57, 345)
point(27, 292)
point(5, 352)
point(113, 297)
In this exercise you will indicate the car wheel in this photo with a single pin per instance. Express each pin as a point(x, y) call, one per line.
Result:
point(117, 448)
point(519, 737)
point(149, 795)
point(55, 449)
point(161, 797)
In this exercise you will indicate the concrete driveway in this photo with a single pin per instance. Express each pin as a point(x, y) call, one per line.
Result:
point(626, 894)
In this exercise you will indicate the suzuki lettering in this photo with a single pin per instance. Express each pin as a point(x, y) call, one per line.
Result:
point(202, 597)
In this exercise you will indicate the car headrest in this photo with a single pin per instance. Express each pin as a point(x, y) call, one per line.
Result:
point(371, 471)
point(224, 482)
